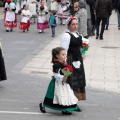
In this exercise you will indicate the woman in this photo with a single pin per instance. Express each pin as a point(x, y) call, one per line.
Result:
point(81, 14)
point(2, 66)
point(72, 42)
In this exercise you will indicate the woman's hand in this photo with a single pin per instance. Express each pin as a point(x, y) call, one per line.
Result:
point(83, 57)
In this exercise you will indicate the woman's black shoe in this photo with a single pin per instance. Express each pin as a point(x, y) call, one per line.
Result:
point(42, 109)
point(96, 37)
point(66, 113)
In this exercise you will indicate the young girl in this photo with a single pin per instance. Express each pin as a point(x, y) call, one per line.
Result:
point(25, 22)
point(62, 15)
point(42, 22)
point(52, 21)
point(10, 20)
point(59, 95)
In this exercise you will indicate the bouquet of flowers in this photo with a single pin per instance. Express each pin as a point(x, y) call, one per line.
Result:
point(19, 11)
point(67, 70)
point(85, 45)
point(42, 7)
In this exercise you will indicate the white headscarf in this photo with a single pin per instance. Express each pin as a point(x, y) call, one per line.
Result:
point(69, 19)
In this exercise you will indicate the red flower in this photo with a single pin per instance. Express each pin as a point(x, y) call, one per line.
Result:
point(19, 11)
point(66, 69)
point(70, 68)
point(41, 7)
point(84, 44)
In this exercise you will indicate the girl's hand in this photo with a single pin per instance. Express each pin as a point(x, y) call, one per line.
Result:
point(64, 78)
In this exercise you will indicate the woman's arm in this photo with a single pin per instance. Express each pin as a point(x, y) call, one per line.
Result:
point(65, 41)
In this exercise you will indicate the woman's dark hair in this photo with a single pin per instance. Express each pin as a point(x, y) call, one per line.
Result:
point(56, 51)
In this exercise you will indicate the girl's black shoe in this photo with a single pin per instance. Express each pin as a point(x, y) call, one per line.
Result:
point(78, 110)
point(42, 109)
point(66, 113)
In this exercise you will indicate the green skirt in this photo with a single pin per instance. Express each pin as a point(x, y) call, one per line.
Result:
point(48, 101)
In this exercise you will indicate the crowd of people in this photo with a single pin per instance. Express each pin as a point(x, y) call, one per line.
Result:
point(82, 18)
point(89, 13)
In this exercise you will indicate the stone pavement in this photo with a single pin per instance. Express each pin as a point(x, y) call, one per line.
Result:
point(102, 64)
point(1, 12)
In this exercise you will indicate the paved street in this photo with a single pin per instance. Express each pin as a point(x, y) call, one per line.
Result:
point(27, 57)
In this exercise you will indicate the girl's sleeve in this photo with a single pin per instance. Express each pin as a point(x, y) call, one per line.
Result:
point(5, 7)
point(56, 72)
point(65, 41)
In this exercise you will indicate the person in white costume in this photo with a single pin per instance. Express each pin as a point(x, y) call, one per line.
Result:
point(23, 2)
point(10, 20)
point(32, 8)
point(54, 4)
point(42, 22)
point(62, 16)
point(25, 22)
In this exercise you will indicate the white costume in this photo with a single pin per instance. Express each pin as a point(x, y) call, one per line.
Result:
point(42, 22)
point(25, 23)
point(62, 15)
point(25, 18)
point(32, 8)
point(53, 5)
point(10, 18)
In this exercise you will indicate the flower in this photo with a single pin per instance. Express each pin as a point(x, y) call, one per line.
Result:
point(42, 7)
point(67, 70)
point(19, 11)
point(85, 45)
point(85, 48)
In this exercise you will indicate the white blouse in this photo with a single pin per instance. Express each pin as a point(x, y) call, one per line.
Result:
point(25, 18)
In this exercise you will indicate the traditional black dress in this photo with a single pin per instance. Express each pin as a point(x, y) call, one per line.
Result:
point(59, 95)
point(77, 79)
point(2, 67)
